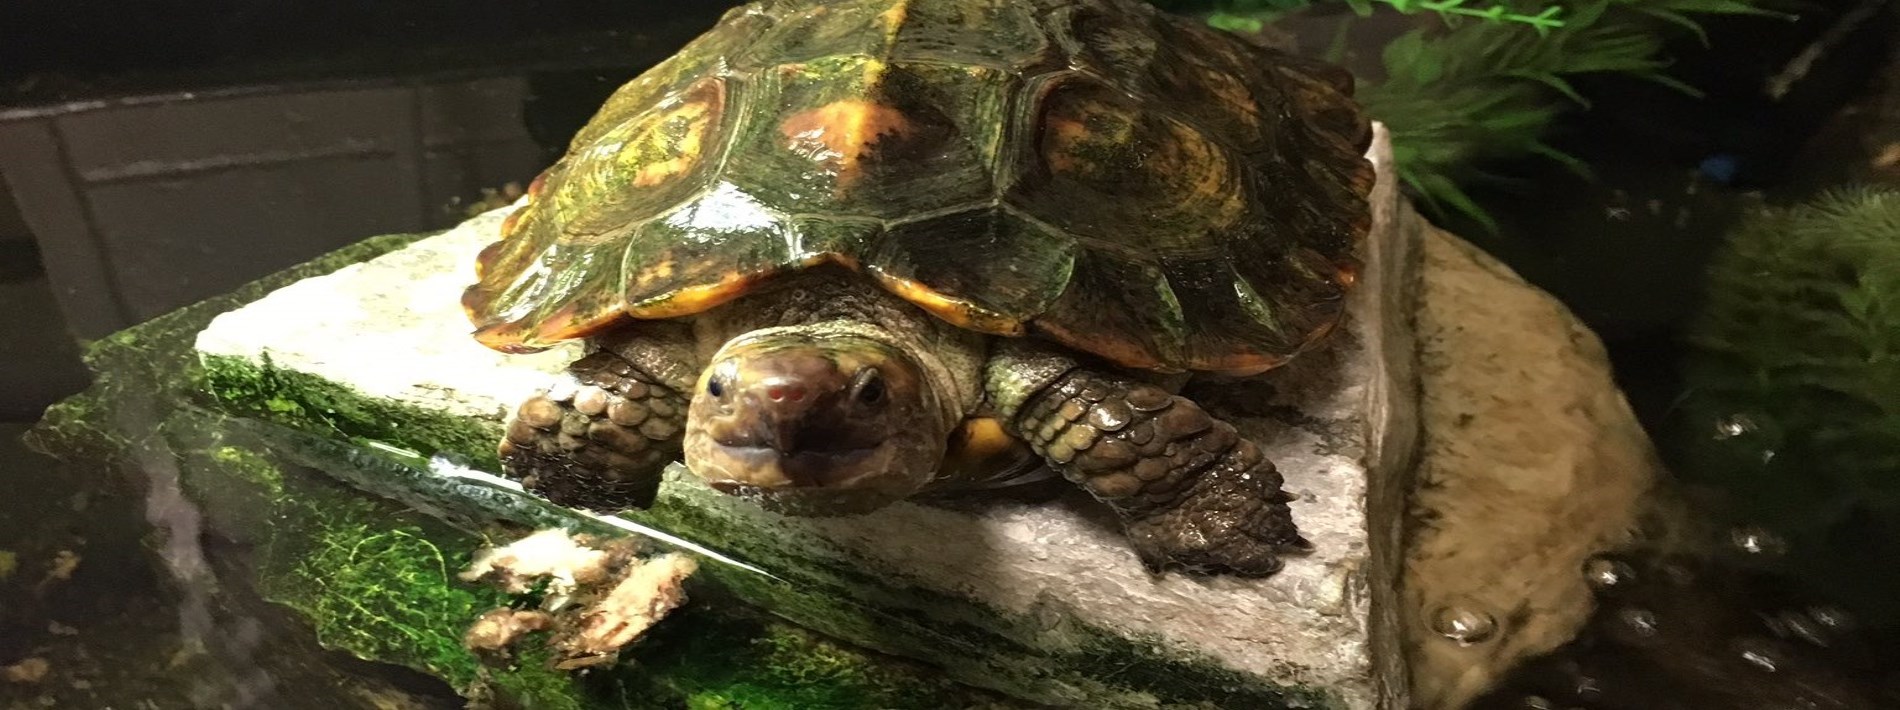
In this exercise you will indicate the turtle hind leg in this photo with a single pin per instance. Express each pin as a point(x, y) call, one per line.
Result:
point(599, 438)
point(1193, 494)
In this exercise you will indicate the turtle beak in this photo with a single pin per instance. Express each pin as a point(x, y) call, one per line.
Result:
point(782, 436)
point(793, 418)
point(837, 421)
point(784, 406)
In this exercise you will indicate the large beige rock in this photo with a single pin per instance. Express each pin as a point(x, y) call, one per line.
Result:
point(1532, 462)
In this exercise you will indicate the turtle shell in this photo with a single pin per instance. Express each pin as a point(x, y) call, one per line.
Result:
point(1116, 179)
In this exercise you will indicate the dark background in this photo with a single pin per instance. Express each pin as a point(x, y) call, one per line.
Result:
point(157, 153)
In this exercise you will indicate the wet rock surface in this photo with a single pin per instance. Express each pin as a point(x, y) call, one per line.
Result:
point(1531, 462)
point(1043, 600)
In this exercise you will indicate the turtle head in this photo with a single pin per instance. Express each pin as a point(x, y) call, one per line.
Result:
point(813, 421)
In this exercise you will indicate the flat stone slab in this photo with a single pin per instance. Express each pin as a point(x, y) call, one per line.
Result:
point(1041, 600)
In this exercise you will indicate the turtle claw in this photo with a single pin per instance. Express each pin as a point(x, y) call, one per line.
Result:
point(598, 440)
point(1257, 562)
point(1298, 545)
point(1194, 493)
point(1201, 544)
point(1228, 523)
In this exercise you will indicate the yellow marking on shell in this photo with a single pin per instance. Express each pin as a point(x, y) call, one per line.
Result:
point(1103, 143)
point(1242, 366)
point(840, 134)
point(1232, 95)
point(1065, 134)
point(693, 300)
point(955, 311)
point(830, 257)
point(1201, 167)
point(507, 338)
point(893, 20)
point(1070, 132)
point(571, 322)
point(1114, 347)
point(513, 219)
point(679, 135)
point(662, 269)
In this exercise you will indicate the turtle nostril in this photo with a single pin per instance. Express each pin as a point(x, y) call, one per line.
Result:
point(785, 393)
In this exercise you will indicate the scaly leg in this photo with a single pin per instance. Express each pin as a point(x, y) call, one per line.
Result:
point(1191, 491)
point(600, 437)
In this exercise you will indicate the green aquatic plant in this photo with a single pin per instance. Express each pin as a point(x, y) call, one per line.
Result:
point(1793, 403)
point(1460, 94)
point(1471, 94)
point(1253, 15)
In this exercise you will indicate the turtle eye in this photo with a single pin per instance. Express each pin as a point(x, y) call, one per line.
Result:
point(870, 386)
point(716, 387)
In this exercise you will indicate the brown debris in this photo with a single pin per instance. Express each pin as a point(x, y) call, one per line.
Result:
point(498, 629)
point(31, 670)
point(547, 554)
point(598, 597)
point(647, 593)
point(1888, 157)
point(64, 564)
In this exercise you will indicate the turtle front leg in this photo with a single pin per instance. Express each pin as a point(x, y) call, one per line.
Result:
point(599, 437)
point(1192, 493)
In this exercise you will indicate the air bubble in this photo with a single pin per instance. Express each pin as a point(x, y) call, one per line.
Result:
point(1603, 572)
point(1834, 618)
point(1734, 425)
point(1757, 541)
point(1759, 653)
point(1640, 622)
point(1463, 625)
point(1798, 625)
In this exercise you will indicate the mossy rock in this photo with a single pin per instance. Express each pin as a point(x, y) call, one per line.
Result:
point(375, 577)
point(416, 420)
point(1064, 614)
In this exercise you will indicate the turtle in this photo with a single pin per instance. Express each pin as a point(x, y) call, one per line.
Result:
point(839, 253)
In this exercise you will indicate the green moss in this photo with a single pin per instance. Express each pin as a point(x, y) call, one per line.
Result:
point(254, 469)
point(822, 588)
point(323, 407)
point(373, 575)
point(373, 578)
point(378, 581)
point(730, 658)
point(380, 591)
point(1794, 386)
